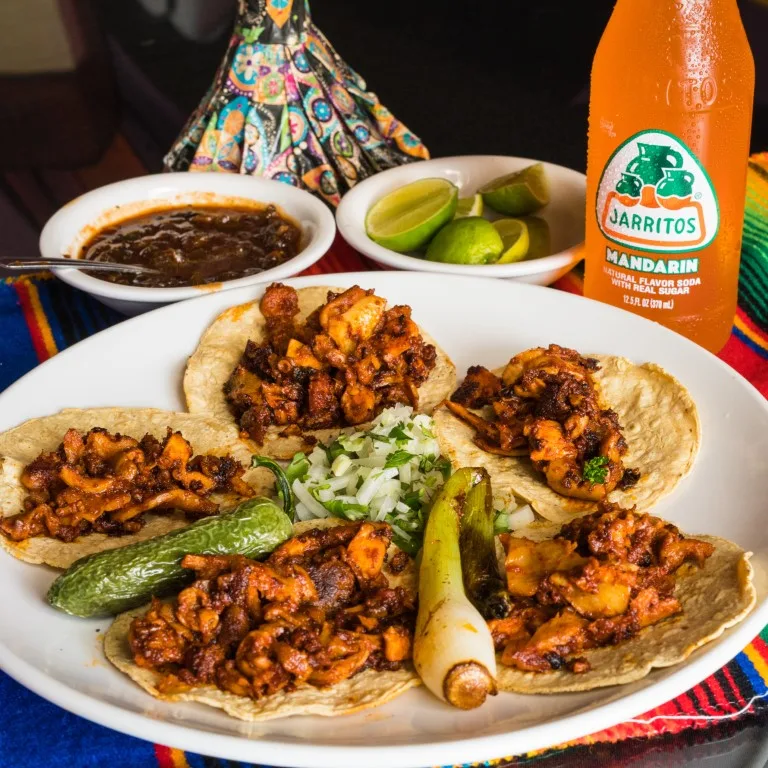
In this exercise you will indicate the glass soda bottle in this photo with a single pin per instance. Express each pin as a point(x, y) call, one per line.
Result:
point(669, 126)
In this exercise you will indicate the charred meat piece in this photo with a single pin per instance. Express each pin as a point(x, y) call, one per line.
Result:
point(280, 306)
point(105, 483)
point(546, 405)
point(480, 387)
point(641, 539)
point(342, 366)
point(318, 611)
point(602, 579)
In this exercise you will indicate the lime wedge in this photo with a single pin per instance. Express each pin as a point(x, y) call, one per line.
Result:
point(472, 240)
point(469, 206)
point(538, 234)
point(407, 218)
point(514, 236)
point(518, 193)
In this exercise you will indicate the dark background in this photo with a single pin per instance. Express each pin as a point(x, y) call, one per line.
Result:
point(498, 76)
point(493, 77)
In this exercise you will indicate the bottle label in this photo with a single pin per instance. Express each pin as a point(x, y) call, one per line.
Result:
point(655, 197)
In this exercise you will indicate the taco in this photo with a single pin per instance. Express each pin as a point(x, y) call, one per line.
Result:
point(299, 366)
point(563, 431)
point(609, 597)
point(324, 626)
point(82, 481)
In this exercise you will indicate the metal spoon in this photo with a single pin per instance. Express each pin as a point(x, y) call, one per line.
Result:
point(27, 265)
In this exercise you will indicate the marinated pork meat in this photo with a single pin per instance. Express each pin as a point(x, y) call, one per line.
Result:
point(104, 483)
point(546, 406)
point(601, 580)
point(348, 361)
point(319, 610)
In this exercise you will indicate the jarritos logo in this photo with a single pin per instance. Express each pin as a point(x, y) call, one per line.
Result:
point(654, 195)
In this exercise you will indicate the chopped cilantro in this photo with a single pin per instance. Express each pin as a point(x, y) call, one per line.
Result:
point(595, 470)
point(399, 432)
point(343, 509)
point(298, 468)
point(397, 459)
point(413, 499)
point(333, 450)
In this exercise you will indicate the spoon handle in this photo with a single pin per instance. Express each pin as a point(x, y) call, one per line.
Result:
point(28, 265)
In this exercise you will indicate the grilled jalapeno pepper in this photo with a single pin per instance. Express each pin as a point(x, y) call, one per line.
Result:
point(115, 580)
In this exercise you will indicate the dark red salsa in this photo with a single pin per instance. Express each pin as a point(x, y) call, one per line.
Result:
point(195, 245)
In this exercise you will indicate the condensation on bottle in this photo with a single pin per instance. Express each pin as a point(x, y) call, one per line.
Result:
point(669, 126)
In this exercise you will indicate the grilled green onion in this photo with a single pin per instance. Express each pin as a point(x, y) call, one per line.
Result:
point(482, 581)
point(453, 649)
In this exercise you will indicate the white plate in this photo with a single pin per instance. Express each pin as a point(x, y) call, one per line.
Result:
point(140, 363)
point(564, 214)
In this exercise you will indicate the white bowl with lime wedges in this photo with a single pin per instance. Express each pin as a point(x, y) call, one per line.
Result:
point(490, 215)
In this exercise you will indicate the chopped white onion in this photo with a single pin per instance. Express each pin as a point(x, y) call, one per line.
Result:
point(521, 517)
point(341, 464)
point(305, 497)
point(358, 476)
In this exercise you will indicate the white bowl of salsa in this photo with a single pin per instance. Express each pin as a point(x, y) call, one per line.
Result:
point(159, 221)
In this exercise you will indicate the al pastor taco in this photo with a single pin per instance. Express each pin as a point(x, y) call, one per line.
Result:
point(609, 597)
point(564, 431)
point(324, 626)
point(298, 366)
point(82, 481)
point(599, 601)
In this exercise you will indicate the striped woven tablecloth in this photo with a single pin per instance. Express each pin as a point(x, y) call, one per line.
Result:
point(40, 316)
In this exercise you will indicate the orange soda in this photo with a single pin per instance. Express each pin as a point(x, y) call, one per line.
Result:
point(669, 125)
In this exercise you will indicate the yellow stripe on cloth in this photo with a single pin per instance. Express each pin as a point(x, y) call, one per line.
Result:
point(179, 758)
point(758, 662)
point(41, 319)
point(27, 276)
point(750, 334)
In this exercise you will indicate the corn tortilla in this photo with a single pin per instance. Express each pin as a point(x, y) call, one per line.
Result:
point(362, 691)
point(659, 421)
point(220, 350)
point(714, 598)
point(22, 444)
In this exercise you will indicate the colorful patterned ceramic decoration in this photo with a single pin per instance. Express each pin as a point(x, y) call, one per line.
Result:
point(285, 106)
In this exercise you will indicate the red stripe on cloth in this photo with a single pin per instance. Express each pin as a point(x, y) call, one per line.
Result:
point(747, 320)
point(747, 362)
point(331, 263)
point(701, 697)
point(687, 706)
point(640, 729)
point(761, 647)
point(164, 757)
point(738, 696)
point(35, 332)
point(723, 700)
point(670, 709)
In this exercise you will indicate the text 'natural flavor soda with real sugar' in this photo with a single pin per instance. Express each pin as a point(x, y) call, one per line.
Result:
point(669, 124)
